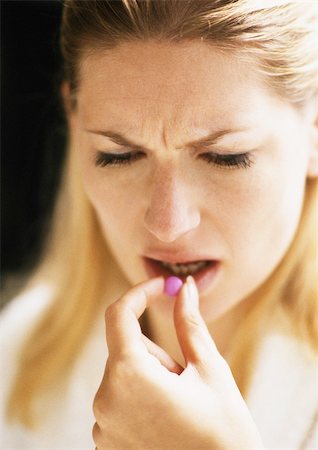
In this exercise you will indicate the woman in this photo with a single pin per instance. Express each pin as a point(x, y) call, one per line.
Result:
point(193, 152)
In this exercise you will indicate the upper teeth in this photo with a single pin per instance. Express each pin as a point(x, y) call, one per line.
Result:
point(184, 269)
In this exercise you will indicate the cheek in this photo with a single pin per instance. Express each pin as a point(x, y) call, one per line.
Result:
point(256, 223)
point(116, 207)
point(262, 216)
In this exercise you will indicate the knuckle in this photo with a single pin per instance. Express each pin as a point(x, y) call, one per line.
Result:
point(120, 368)
point(193, 321)
point(96, 433)
point(120, 371)
point(196, 329)
point(100, 405)
point(113, 312)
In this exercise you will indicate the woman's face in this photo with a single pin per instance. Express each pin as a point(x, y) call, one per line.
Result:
point(216, 166)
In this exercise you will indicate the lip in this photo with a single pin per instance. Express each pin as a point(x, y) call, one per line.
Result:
point(204, 278)
point(180, 256)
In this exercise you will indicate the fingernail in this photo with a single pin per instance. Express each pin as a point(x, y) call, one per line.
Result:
point(192, 289)
point(172, 286)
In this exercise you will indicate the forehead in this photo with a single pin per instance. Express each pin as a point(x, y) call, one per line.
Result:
point(172, 82)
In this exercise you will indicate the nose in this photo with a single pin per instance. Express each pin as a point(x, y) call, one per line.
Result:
point(171, 211)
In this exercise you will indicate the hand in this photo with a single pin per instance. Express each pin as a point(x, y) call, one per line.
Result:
point(148, 401)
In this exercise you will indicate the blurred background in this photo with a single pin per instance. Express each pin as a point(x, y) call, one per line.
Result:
point(32, 133)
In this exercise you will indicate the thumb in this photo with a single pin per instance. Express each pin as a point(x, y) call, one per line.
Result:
point(196, 343)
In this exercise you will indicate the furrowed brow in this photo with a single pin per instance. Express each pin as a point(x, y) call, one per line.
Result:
point(206, 141)
point(118, 139)
point(213, 138)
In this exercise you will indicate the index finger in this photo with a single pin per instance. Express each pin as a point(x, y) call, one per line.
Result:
point(123, 332)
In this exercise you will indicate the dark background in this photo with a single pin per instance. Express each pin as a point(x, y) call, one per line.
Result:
point(32, 129)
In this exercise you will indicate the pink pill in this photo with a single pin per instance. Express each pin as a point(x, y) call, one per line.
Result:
point(172, 286)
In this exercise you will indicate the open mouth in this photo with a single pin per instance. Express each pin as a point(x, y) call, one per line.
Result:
point(202, 271)
point(183, 269)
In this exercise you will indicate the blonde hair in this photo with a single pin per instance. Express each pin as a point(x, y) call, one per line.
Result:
point(282, 36)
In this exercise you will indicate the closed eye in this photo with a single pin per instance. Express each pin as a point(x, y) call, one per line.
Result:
point(116, 159)
point(235, 160)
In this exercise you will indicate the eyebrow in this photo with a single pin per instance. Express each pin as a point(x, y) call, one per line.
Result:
point(206, 141)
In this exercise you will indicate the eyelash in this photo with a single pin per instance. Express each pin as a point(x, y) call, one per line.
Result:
point(112, 159)
point(234, 161)
point(231, 161)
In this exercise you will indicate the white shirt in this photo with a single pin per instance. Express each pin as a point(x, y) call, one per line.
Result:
point(283, 398)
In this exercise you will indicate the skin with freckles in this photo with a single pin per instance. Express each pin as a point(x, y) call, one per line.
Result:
point(162, 96)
